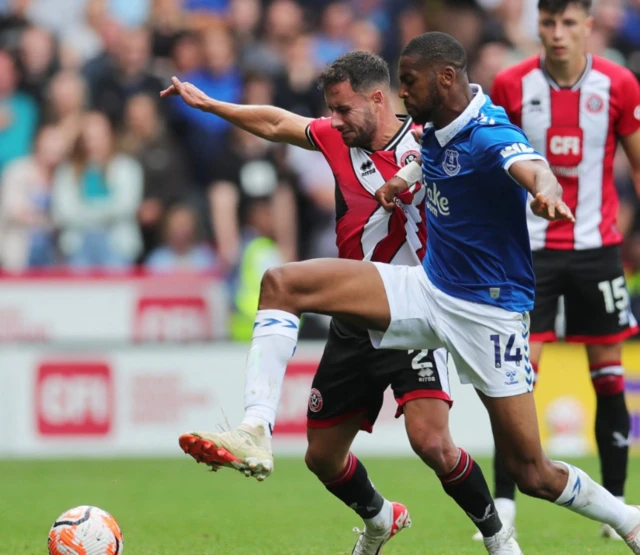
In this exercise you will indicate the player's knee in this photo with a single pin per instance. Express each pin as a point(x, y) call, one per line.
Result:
point(436, 450)
point(273, 288)
point(323, 462)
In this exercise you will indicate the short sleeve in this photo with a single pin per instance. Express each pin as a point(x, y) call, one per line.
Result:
point(498, 93)
point(501, 145)
point(628, 120)
point(321, 134)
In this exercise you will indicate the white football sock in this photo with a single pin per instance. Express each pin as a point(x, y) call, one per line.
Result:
point(584, 496)
point(384, 519)
point(275, 334)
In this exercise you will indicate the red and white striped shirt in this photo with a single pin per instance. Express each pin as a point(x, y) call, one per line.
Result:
point(577, 129)
point(364, 230)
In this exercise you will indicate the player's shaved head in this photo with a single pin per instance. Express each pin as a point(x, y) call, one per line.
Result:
point(559, 6)
point(362, 70)
point(437, 50)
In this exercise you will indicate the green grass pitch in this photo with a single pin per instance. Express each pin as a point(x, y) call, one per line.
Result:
point(177, 507)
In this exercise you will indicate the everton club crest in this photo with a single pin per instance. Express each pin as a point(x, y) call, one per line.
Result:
point(451, 165)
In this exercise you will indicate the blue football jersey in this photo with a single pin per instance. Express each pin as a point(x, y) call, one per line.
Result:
point(477, 243)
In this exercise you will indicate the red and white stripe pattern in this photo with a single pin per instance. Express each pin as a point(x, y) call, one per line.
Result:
point(607, 378)
point(460, 472)
point(365, 231)
point(577, 130)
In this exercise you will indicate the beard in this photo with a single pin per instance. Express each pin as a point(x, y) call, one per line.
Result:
point(363, 137)
point(424, 113)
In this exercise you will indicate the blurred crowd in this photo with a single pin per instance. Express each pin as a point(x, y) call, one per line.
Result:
point(98, 172)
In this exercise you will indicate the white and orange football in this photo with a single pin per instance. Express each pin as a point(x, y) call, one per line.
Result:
point(85, 530)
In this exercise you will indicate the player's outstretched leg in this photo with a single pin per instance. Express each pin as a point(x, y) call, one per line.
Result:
point(345, 477)
point(349, 289)
point(504, 487)
point(427, 423)
point(515, 430)
point(612, 420)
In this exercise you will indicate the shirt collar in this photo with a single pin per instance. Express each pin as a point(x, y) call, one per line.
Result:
point(448, 132)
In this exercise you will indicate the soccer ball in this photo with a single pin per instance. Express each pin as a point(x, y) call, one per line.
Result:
point(85, 530)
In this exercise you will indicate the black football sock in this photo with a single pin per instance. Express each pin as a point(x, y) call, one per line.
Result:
point(468, 488)
point(612, 425)
point(505, 487)
point(353, 487)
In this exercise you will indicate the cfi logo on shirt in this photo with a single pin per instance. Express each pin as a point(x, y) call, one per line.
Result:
point(451, 164)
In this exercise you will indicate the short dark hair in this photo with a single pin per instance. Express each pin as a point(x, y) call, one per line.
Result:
point(559, 6)
point(437, 48)
point(363, 70)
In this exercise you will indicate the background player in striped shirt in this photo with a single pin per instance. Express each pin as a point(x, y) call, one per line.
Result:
point(365, 144)
point(574, 108)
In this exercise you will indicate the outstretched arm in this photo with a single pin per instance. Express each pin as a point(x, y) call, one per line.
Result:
point(536, 177)
point(268, 122)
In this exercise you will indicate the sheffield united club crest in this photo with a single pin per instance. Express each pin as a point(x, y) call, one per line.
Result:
point(315, 400)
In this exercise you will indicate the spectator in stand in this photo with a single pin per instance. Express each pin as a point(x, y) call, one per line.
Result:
point(183, 249)
point(489, 60)
point(186, 54)
point(259, 253)
point(608, 17)
point(165, 178)
point(318, 205)
point(245, 17)
point(37, 59)
point(334, 38)
point(18, 114)
point(168, 21)
point(105, 61)
point(219, 78)
point(284, 22)
point(96, 198)
point(247, 169)
point(628, 36)
point(26, 224)
point(85, 42)
point(366, 36)
point(130, 76)
point(297, 89)
point(67, 101)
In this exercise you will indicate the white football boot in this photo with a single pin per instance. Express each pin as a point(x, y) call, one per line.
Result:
point(244, 449)
point(506, 511)
point(372, 539)
point(503, 543)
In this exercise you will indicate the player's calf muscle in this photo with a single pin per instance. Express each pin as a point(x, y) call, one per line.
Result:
point(347, 289)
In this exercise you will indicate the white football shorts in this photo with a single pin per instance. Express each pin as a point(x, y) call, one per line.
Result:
point(489, 345)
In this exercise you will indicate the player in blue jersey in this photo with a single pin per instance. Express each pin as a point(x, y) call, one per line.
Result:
point(472, 296)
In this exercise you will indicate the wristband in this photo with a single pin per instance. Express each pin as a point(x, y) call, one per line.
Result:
point(410, 173)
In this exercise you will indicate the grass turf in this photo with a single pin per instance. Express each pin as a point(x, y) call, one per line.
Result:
point(176, 507)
